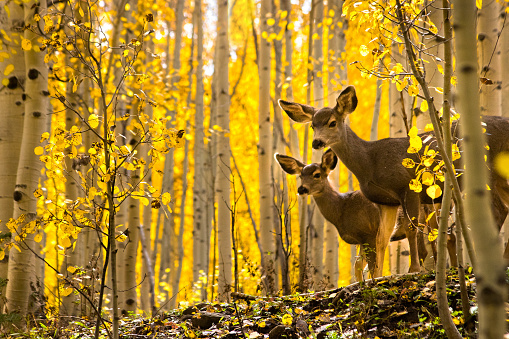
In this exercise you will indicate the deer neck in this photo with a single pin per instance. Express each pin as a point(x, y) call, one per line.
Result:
point(354, 153)
point(330, 202)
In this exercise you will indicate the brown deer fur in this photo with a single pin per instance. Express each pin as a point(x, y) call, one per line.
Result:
point(378, 164)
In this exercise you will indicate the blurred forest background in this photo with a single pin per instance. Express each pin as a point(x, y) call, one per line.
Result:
point(138, 142)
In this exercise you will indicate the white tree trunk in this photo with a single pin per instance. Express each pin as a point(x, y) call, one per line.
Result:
point(504, 68)
point(21, 263)
point(434, 56)
point(488, 54)
point(200, 236)
point(490, 274)
point(318, 221)
point(399, 251)
point(12, 124)
point(223, 156)
point(265, 156)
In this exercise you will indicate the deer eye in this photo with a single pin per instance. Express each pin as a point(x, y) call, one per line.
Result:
point(317, 176)
point(332, 124)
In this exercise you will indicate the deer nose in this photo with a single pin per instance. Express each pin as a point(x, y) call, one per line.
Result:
point(318, 144)
point(302, 190)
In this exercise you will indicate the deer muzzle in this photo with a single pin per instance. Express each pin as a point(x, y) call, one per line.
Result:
point(302, 190)
point(318, 144)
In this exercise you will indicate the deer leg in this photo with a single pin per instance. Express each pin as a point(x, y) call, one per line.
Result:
point(358, 265)
point(411, 208)
point(383, 236)
point(451, 248)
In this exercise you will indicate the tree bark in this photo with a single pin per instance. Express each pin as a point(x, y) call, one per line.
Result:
point(21, 262)
point(398, 108)
point(488, 54)
point(11, 128)
point(223, 155)
point(200, 236)
point(265, 156)
point(318, 221)
point(491, 285)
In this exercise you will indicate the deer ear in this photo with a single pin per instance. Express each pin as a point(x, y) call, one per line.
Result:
point(297, 112)
point(329, 160)
point(289, 164)
point(346, 101)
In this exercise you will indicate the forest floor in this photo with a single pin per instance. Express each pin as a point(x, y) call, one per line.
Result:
point(402, 306)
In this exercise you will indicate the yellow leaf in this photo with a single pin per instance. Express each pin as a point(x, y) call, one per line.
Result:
point(434, 191)
point(65, 242)
point(440, 68)
point(71, 269)
point(433, 234)
point(478, 3)
point(428, 178)
point(144, 201)
point(428, 127)
point(8, 69)
point(401, 85)
point(424, 106)
point(44, 136)
point(38, 237)
point(456, 152)
point(39, 150)
point(439, 90)
point(415, 145)
point(363, 50)
point(271, 21)
point(413, 132)
point(5, 82)
point(413, 90)
point(2, 254)
point(166, 198)
point(415, 185)
point(408, 163)
point(501, 164)
point(287, 319)
point(428, 218)
point(38, 193)
point(26, 44)
point(66, 291)
point(93, 120)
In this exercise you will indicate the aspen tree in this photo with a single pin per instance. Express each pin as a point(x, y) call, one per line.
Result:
point(264, 154)
point(336, 74)
point(489, 58)
point(318, 221)
point(200, 225)
point(223, 155)
point(21, 260)
point(490, 273)
point(11, 128)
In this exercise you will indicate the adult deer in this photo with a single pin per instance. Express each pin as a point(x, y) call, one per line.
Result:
point(356, 218)
point(378, 164)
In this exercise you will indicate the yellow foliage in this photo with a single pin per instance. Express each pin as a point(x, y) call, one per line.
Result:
point(501, 164)
point(415, 185)
point(434, 191)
